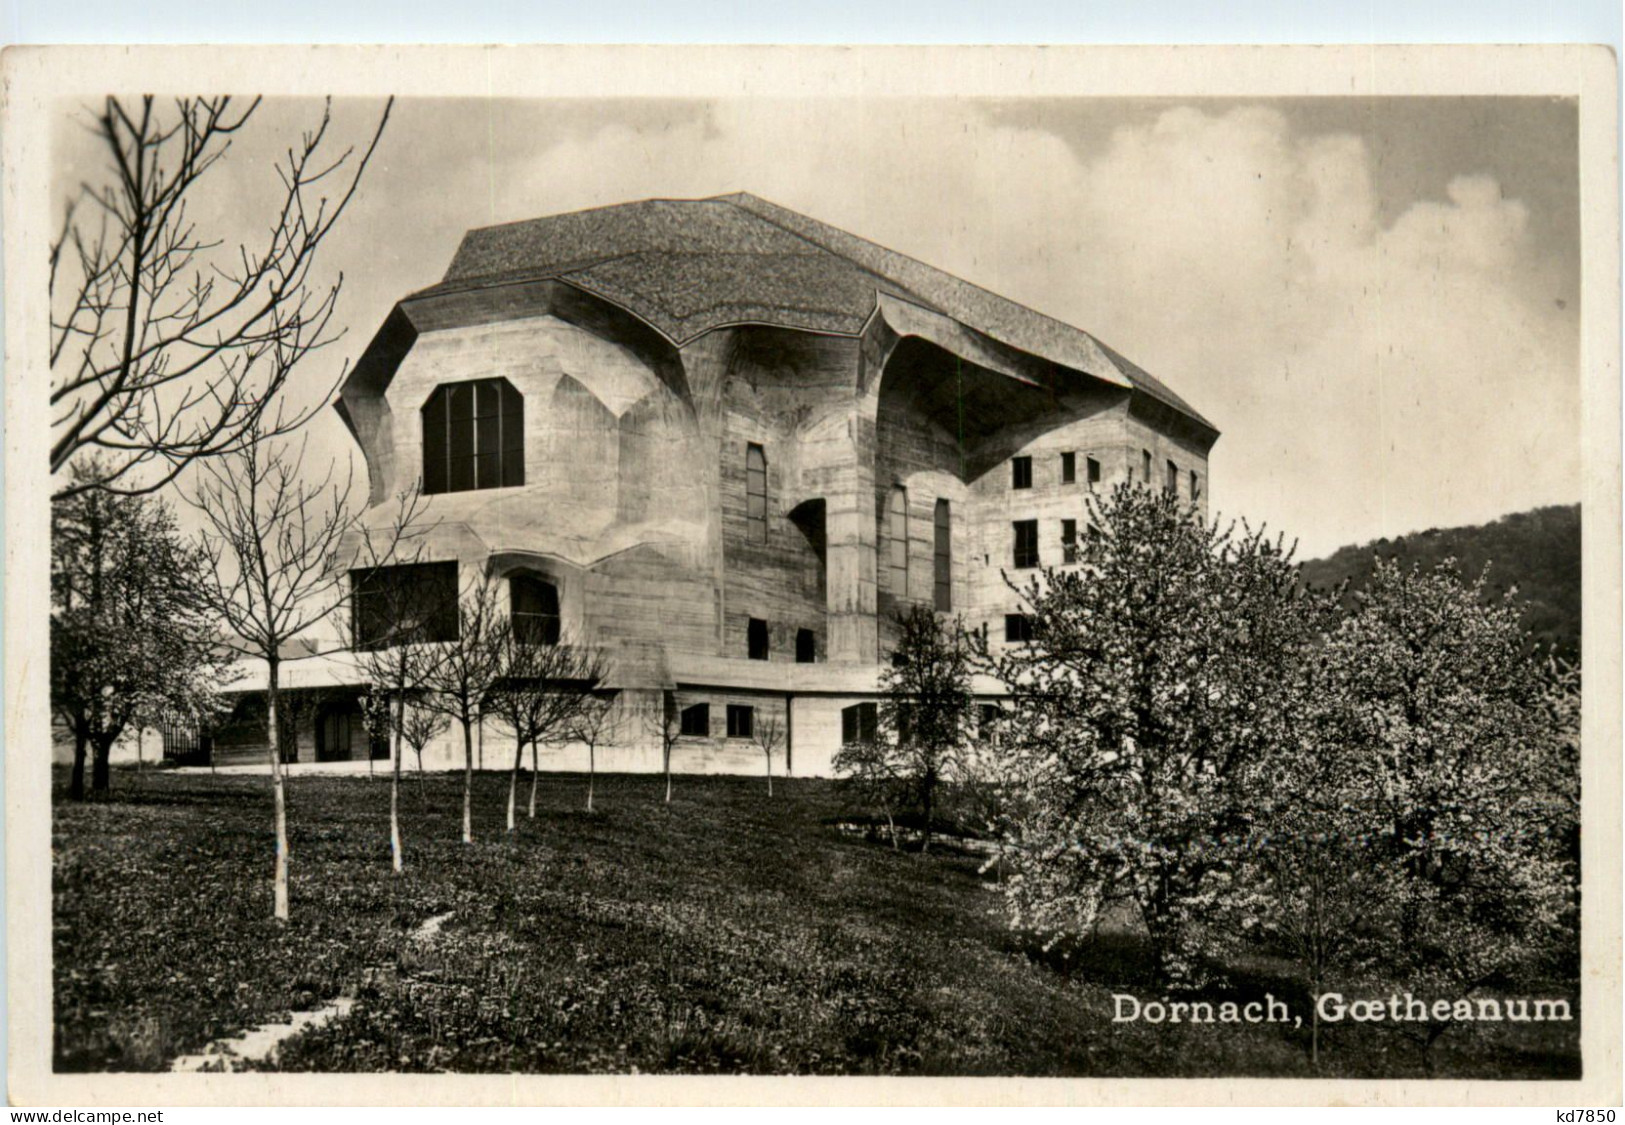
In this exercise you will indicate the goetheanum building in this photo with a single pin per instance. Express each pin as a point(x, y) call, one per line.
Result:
point(725, 442)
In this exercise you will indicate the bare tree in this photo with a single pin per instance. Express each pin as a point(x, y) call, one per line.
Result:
point(421, 725)
point(768, 733)
point(668, 727)
point(399, 614)
point(166, 349)
point(540, 695)
point(470, 665)
point(277, 546)
point(597, 722)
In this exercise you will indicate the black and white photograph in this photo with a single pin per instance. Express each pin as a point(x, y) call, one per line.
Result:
point(788, 564)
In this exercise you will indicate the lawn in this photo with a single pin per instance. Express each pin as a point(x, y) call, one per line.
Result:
point(725, 932)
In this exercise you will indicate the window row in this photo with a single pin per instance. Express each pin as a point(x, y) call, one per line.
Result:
point(694, 721)
point(1025, 553)
point(758, 646)
point(861, 722)
point(417, 603)
point(1170, 477)
point(1021, 470)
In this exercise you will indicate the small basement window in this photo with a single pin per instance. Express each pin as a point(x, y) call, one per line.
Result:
point(696, 721)
point(756, 638)
point(741, 721)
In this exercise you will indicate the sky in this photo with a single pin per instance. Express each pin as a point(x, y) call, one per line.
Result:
point(1376, 301)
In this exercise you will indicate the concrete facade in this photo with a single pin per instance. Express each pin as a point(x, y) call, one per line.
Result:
point(872, 386)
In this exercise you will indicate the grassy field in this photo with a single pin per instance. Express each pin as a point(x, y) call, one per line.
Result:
point(724, 932)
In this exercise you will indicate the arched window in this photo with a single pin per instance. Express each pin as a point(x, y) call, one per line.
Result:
point(473, 436)
point(756, 492)
point(534, 609)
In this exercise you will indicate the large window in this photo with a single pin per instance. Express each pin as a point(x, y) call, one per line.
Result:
point(695, 721)
point(1094, 472)
point(741, 721)
point(1021, 472)
point(756, 638)
point(1172, 484)
point(533, 604)
point(1018, 627)
point(412, 604)
point(473, 437)
point(1069, 541)
point(756, 492)
point(806, 647)
point(1069, 468)
point(942, 558)
point(859, 722)
point(1026, 553)
point(897, 536)
point(1196, 487)
point(1145, 467)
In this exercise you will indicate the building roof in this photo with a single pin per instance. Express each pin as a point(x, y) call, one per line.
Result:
point(688, 266)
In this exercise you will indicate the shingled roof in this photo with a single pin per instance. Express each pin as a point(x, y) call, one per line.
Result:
point(687, 266)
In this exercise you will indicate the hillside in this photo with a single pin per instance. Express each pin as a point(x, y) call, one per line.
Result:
point(1536, 551)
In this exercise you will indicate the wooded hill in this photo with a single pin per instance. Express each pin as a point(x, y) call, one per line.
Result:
point(1536, 551)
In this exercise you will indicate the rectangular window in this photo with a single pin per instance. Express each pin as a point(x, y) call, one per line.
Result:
point(1196, 487)
point(1021, 472)
point(412, 604)
point(1145, 465)
point(806, 647)
point(987, 716)
point(897, 536)
point(1026, 553)
point(696, 721)
point(741, 721)
point(533, 608)
point(859, 722)
point(756, 638)
point(1173, 479)
point(1069, 540)
point(1094, 472)
point(942, 559)
point(1018, 627)
point(1069, 468)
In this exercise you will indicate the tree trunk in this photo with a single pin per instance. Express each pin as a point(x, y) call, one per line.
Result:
point(101, 753)
point(513, 784)
point(592, 767)
point(925, 838)
point(279, 884)
point(770, 775)
point(533, 753)
point(468, 780)
point(396, 858)
point(668, 775)
point(76, 786)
